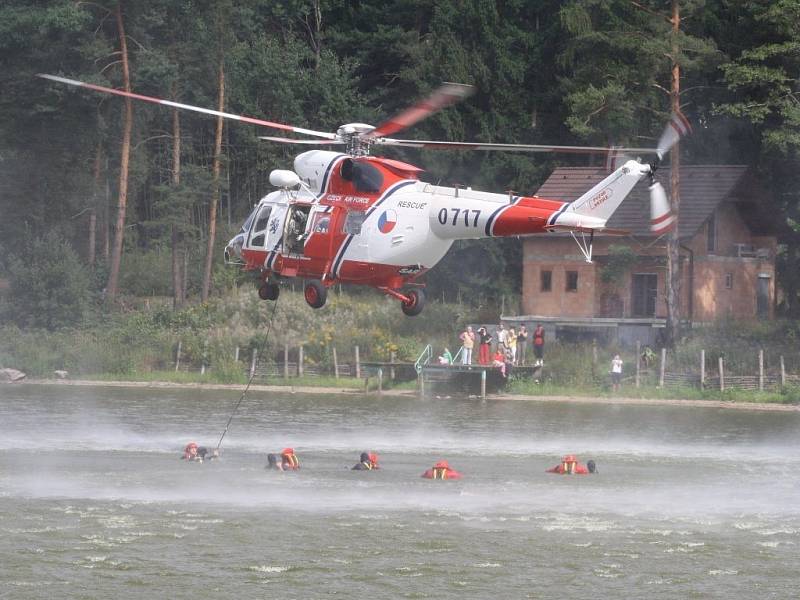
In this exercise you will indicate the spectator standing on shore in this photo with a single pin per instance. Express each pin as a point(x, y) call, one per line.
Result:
point(522, 344)
point(616, 372)
point(502, 335)
point(484, 348)
point(538, 345)
point(467, 343)
point(511, 342)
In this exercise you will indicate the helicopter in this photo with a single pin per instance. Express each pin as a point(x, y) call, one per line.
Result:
point(345, 216)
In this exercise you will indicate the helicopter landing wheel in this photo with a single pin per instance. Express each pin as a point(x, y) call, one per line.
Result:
point(415, 304)
point(269, 291)
point(315, 294)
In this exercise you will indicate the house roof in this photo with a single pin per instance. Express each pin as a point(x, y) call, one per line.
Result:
point(703, 188)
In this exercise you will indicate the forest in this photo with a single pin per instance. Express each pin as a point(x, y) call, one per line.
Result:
point(104, 199)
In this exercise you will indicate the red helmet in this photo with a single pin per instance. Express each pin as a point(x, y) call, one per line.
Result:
point(191, 445)
point(287, 451)
point(442, 464)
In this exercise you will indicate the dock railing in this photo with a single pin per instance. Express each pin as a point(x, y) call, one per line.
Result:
point(423, 359)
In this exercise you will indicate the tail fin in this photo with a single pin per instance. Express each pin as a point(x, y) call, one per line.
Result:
point(602, 200)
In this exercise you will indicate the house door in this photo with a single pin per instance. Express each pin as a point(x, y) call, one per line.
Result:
point(762, 296)
point(645, 290)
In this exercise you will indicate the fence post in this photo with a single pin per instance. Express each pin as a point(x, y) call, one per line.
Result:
point(358, 365)
point(663, 367)
point(392, 359)
point(335, 364)
point(236, 354)
point(761, 370)
point(300, 363)
point(253, 361)
point(286, 361)
point(205, 357)
point(421, 382)
point(366, 385)
point(721, 375)
point(638, 360)
point(178, 356)
point(702, 369)
point(783, 373)
point(483, 384)
point(380, 381)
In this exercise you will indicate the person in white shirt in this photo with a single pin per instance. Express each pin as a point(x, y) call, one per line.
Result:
point(616, 372)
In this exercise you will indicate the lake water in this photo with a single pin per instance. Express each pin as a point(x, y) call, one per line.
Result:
point(95, 502)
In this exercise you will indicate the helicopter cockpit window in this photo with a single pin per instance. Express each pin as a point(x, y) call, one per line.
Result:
point(353, 223)
point(365, 177)
point(249, 221)
point(259, 235)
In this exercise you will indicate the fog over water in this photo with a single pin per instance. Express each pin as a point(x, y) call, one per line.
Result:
point(95, 502)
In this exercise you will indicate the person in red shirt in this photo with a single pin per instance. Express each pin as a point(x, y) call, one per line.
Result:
point(570, 466)
point(441, 470)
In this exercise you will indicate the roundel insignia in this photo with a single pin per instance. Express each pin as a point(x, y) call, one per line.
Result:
point(387, 221)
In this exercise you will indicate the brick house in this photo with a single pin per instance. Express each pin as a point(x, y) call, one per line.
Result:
point(728, 244)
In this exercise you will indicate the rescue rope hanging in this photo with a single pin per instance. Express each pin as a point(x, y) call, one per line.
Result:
point(252, 376)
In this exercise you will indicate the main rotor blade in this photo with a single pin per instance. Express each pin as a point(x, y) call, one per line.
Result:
point(206, 111)
point(442, 97)
point(298, 141)
point(435, 145)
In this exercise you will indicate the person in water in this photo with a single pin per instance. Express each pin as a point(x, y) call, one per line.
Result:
point(367, 462)
point(203, 453)
point(289, 460)
point(190, 451)
point(274, 462)
point(570, 466)
point(441, 470)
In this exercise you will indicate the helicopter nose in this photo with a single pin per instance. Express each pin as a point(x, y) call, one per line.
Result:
point(234, 248)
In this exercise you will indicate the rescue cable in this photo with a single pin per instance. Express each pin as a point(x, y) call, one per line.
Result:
point(252, 376)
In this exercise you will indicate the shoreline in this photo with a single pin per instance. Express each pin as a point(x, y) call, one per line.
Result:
point(289, 389)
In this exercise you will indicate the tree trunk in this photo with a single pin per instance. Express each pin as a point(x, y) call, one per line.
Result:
point(127, 124)
point(673, 241)
point(92, 248)
point(215, 169)
point(177, 285)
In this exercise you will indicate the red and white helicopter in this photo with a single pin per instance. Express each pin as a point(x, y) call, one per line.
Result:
point(348, 217)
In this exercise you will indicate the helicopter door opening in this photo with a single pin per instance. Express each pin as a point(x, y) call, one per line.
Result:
point(258, 235)
point(295, 235)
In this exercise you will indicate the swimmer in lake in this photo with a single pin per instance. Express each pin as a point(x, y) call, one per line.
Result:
point(367, 462)
point(190, 451)
point(570, 466)
point(441, 470)
point(204, 454)
point(274, 463)
point(289, 460)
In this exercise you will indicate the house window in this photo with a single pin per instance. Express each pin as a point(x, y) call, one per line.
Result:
point(728, 281)
point(572, 281)
point(711, 233)
point(546, 281)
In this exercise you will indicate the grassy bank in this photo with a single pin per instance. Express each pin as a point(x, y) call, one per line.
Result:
point(140, 344)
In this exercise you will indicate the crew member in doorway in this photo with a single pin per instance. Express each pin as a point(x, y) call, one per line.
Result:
point(289, 460)
point(274, 463)
point(367, 462)
point(441, 470)
point(570, 466)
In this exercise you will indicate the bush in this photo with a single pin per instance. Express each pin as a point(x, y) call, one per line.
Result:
point(49, 287)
